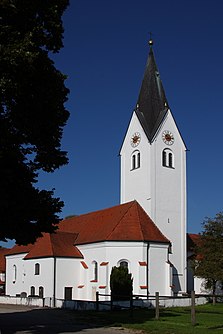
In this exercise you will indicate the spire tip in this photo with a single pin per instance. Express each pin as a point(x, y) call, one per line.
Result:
point(150, 40)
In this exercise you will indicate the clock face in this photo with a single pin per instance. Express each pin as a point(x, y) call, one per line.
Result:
point(168, 137)
point(135, 139)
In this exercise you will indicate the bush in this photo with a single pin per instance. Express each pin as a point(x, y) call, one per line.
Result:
point(121, 283)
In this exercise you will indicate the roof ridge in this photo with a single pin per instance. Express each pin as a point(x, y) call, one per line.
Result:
point(138, 214)
point(130, 205)
point(96, 211)
point(151, 221)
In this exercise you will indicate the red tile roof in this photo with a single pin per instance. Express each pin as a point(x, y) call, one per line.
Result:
point(125, 222)
point(192, 241)
point(3, 252)
point(19, 249)
point(60, 244)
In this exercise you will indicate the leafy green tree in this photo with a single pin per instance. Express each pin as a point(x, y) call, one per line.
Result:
point(32, 115)
point(121, 283)
point(208, 262)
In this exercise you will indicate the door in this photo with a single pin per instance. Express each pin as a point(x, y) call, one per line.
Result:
point(67, 293)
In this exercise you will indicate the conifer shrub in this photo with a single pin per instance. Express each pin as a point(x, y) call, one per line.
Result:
point(121, 283)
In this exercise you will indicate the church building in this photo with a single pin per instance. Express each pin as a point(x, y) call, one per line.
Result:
point(146, 232)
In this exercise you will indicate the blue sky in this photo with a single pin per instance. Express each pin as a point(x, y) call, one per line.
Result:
point(104, 56)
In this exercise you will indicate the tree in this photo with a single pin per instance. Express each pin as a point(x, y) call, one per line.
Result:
point(208, 262)
point(32, 115)
point(120, 283)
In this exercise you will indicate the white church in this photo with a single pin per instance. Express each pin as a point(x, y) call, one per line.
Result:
point(146, 232)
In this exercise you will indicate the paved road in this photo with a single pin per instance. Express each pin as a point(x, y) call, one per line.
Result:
point(27, 320)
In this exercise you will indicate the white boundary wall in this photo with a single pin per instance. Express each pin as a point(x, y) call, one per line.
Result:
point(28, 301)
point(89, 305)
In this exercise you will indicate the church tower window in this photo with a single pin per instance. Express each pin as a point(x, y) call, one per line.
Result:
point(167, 158)
point(135, 160)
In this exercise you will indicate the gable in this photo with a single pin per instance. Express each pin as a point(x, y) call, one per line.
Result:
point(60, 244)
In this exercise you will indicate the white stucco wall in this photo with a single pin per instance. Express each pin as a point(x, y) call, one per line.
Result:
point(26, 277)
point(15, 281)
point(67, 275)
point(160, 190)
point(133, 253)
point(78, 274)
point(136, 184)
point(159, 270)
point(169, 206)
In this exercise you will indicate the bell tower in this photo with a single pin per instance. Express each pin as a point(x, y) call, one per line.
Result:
point(153, 167)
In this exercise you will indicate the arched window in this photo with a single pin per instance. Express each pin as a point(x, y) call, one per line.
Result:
point(32, 291)
point(41, 290)
point(37, 268)
point(14, 277)
point(138, 159)
point(167, 158)
point(95, 270)
point(135, 160)
point(123, 263)
point(164, 158)
point(170, 159)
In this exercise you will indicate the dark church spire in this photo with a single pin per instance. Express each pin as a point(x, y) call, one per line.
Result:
point(152, 104)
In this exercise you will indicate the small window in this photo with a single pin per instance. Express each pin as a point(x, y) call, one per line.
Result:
point(32, 291)
point(14, 273)
point(37, 268)
point(164, 158)
point(138, 159)
point(95, 270)
point(41, 290)
point(170, 159)
point(167, 158)
point(123, 263)
point(135, 160)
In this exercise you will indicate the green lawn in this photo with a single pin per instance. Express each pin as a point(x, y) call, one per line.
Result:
point(209, 319)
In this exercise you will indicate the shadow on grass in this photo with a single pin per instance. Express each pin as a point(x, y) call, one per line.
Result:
point(123, 317)
point(55, 321)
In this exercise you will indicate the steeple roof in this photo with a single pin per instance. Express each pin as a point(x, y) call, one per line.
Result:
point(152, 104)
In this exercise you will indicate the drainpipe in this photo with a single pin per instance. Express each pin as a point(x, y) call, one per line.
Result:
point(147, 270)
point(54, 282)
